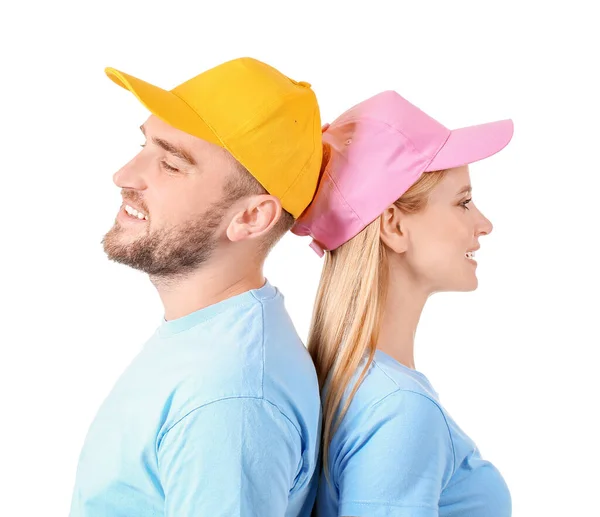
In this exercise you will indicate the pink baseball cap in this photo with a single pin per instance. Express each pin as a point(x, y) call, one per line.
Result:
point(378, 150)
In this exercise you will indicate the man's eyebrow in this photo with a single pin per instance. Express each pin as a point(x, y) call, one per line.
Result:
point(465, 190)
point(173, 149)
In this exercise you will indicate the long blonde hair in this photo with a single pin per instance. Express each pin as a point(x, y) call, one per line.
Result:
point(348, 310)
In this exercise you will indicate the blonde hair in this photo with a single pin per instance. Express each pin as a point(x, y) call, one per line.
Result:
point(348, 310)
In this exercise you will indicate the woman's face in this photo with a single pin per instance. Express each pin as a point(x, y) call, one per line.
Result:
point(443, 236)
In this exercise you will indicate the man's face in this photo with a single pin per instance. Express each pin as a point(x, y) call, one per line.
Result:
point(173, 209)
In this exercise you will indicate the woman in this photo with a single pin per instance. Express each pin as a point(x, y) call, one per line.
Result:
point(394, 211)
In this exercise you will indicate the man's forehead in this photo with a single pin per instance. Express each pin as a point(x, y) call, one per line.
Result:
point(159, 127)
point(200, 151)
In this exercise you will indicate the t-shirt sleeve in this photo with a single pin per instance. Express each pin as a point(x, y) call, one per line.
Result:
point(233, 457)
point(394, 460)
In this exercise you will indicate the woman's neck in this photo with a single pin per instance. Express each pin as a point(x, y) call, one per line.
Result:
point(401, 314)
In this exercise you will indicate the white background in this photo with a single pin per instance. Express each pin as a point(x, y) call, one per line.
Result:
point(514, 362)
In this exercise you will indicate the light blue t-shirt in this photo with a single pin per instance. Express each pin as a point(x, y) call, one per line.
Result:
point(398, 453)
point(218, 415)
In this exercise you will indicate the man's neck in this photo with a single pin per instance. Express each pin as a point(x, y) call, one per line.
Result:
point(207, 286)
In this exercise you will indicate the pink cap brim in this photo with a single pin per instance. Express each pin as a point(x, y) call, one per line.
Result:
point(471, 144)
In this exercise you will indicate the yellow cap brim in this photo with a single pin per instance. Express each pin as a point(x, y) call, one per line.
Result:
point(165, 105)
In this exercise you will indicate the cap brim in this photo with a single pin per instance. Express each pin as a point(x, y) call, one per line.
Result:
point(471, 144)
point(165, 105)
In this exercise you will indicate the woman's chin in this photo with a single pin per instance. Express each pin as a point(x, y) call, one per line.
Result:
point(466, 285)
point(472, 284)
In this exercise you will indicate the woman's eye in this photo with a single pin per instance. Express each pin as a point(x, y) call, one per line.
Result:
point(465, 203)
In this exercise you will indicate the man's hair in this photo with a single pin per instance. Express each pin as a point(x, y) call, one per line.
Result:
point(242, 184)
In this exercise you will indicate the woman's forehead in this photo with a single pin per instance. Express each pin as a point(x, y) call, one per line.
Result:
point(454, 183)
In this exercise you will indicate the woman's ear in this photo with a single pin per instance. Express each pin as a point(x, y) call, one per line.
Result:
point(394, 229)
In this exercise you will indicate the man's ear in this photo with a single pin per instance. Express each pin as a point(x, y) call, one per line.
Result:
point(255, 219)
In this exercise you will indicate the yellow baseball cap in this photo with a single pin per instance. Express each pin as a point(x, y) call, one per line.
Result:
point(267, 121)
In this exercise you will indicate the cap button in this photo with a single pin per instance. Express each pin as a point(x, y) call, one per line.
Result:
point(304, 83)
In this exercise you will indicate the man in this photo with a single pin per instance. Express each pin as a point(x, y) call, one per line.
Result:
point(219, 414)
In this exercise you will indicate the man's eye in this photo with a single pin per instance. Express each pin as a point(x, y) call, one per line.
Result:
point(169, 167)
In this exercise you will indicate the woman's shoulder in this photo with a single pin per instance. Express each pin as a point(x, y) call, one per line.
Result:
point(386, 376)
point(392, 399)
point(393, 422)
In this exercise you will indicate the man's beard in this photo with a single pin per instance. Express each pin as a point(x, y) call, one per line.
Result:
point(171, 252)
